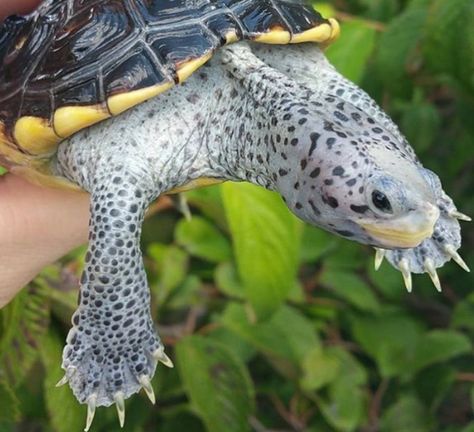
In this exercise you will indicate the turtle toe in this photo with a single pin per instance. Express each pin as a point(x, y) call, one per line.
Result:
point(105, 371)
point(433, 252)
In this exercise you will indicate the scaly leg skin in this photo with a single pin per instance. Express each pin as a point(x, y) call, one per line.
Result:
point(433, 252)
point(112, 349)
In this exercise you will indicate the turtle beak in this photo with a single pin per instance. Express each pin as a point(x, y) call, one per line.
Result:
point(404, 232)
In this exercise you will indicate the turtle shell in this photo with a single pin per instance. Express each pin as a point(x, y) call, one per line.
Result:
point(74, 63)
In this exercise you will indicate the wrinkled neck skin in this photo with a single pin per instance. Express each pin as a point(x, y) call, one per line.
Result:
point(285, 119)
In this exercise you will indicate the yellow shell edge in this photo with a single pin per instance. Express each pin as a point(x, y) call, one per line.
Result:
point(278, 37)
point(185, 70)
point(71, 119)
point(35, 135)
point(317, 34)
point(122, 102)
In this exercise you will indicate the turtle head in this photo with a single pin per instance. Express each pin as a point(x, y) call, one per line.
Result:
point(342, 164)
point(361, 182)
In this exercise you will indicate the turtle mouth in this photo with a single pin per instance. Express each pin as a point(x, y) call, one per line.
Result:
point(407, 231)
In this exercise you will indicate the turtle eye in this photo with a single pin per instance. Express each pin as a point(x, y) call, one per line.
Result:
point(381, 202)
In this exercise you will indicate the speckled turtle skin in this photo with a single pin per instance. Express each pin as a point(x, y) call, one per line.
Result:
point(277, 116)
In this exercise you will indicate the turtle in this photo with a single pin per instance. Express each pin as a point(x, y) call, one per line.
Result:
point(130, 100)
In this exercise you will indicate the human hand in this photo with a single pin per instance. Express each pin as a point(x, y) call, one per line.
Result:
point(37, 225)
point(11, 7)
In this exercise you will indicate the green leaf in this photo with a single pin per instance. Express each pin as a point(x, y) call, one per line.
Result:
point(407, 414)
point(65, 412)
point(397, 57)
point(172, 265)
point(439, 346)
point(227, 280)
point(388, 280)
point(266, 243)
point(469, 427)
point(391, 339)
point(188, 293)
point(326, 9)
point(23, 323)
point(380, 9)
point(203, 240)
point(320, 367)
point(433, 384)
point(449, 41)
point(209, 201)
point(420, 123)
point(217, 383)
point(354, 47)
point(315, 243)
point(9, 411)
point(463, 313)
point(344, 408)
point(351, 288)
point(287, 334)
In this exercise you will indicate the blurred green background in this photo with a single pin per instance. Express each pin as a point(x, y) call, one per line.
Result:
point(277, 326)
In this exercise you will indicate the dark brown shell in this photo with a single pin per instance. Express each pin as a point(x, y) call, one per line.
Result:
point(82, 53)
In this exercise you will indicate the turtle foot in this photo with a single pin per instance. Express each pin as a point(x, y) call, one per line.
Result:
point(433, 252)
point(101, 373)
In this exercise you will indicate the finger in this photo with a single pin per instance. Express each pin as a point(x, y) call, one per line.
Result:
point(11, 7)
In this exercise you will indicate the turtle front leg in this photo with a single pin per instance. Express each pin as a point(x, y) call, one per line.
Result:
point(112, 349)
point(433, 252)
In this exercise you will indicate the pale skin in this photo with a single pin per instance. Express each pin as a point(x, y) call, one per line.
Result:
point(37, 225)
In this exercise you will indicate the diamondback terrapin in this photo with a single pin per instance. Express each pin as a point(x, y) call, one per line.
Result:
point(277, 116)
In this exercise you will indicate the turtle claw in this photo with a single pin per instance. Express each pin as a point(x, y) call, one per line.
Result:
point(379, 256)
point(62, 381)
point(67, 376)
point(431, 270)
point(145, 382)
point(461, 216)
point(184, 207)
point(91, 406)
point(451, 251)
point(435, 251)
point(405, 269)
point(161, 356)
point(120, 403)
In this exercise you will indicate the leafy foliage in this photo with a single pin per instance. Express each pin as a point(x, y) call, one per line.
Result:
point(277, 325)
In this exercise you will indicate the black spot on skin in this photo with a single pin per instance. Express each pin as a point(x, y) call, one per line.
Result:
point(330, 142)
point(340, 116)
point(328, 182)
point(282, 172)
point(359, 209)
point(315, 209)
point(356, 116)
point(315, 173)
point(299, 206)
point(314, 142)
point(351, 182)
point(338, 171)
point(345, 233)
point(303, 163)
point(331, 201)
